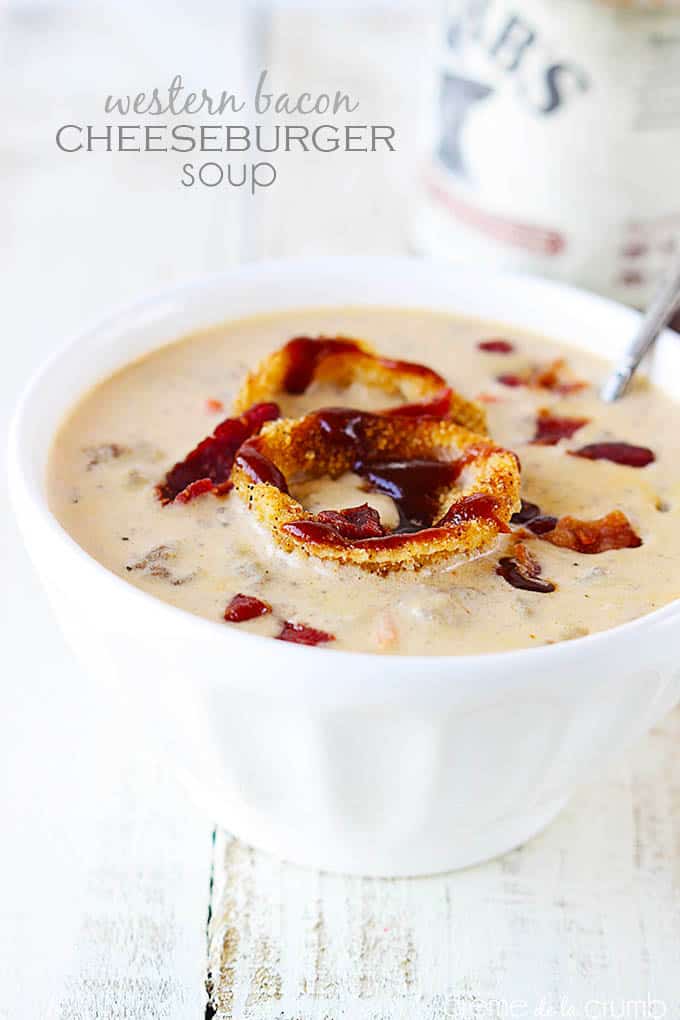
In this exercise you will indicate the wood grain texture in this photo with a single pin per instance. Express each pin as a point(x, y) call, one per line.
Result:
point(584, 919)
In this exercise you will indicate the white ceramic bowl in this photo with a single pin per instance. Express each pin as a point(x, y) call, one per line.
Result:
point(349, 762)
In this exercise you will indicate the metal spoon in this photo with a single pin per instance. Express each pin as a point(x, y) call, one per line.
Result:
point(664, 303)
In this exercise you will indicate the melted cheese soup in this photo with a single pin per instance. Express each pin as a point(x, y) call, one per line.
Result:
point(125, 434)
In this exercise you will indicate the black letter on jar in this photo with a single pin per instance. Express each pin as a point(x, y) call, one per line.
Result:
point(515, 38)
point(556, 76)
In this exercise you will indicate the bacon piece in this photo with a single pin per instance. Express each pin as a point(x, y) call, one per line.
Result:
point(550, 428)
point(213, 458)
point(523, 571)
point(475, 507)
point(245, 607)
point(614, 531)
point(513, 381)
point(526, 560)
point(548, 377)
point(354, 522)
point(255, 416)
point(259, 468)
point(300, 634)
point(619, 453)
point(496, 346)
point(385, 631)
point(338, 527)
point(194, 489)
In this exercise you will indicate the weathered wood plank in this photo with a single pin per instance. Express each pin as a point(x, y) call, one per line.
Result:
point(587, 913)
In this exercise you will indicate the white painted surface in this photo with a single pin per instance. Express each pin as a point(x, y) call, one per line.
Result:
point(104, 883)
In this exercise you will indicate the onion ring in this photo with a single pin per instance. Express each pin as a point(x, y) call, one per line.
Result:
point(343, 360)
point(476, 494)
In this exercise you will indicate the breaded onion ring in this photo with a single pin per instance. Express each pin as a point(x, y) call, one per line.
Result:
point(455, 490)
point(342, 361)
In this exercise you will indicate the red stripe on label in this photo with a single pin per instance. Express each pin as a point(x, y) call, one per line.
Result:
point(521, 235)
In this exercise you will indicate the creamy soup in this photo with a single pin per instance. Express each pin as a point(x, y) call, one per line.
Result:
point(126, 433)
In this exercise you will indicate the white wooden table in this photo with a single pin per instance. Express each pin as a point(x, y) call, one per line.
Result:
point(116, 897)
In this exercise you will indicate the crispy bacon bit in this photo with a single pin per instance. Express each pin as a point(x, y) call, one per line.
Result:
point(549, 377)
point(213, 458)
point(213, 406)
point(526, 560)
point(476, 507)
point(300, 634)
point(260, 468)
point(245, 607)
point(524, 571)
point(194, 489)
point(511, 380)
point(550, 428)
point(496, 346)
point(353, 523)
point(385, 631)
point(613, 531)
point(338, 527)
point(619, 453)
point(254, 417)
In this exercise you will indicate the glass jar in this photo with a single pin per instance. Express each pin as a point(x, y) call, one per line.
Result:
point(558, 148)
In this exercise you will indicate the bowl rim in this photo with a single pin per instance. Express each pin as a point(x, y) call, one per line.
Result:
point(25, 490)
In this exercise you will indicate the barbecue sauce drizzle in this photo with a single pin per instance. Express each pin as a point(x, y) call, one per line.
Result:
point(414, 485)
point(304, 354)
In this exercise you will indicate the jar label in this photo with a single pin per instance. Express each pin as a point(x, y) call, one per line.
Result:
point(559, 141)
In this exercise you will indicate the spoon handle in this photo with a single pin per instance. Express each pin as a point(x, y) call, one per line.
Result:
point(660, 311)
